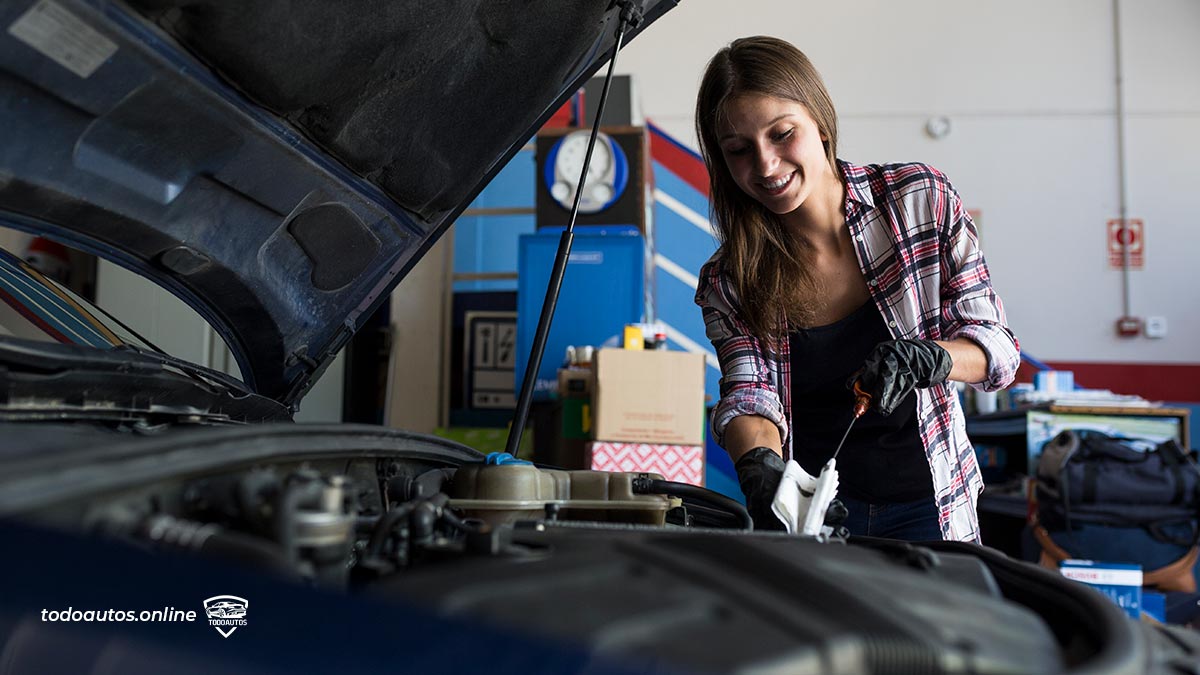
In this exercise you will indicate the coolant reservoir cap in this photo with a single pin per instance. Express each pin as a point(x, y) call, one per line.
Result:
point(508, 484)
point(501, 458)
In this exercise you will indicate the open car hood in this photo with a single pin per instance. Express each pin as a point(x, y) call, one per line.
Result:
point(279, 165)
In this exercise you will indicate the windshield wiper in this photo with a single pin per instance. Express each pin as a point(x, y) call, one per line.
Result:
point(31, 356)
point(204, 375)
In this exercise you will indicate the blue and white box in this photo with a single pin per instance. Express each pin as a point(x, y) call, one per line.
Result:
point(1058, 381)
point(1121, 582)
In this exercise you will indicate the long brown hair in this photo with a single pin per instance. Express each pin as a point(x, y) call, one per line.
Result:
point(765, 262)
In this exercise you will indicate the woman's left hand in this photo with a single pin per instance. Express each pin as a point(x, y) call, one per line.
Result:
point(896, 367)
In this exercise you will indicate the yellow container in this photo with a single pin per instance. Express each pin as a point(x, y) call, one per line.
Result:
point(634, 338)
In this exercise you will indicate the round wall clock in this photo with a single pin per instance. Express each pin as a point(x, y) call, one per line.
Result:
point(608, 173)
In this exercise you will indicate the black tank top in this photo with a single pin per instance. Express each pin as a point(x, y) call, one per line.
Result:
point(883, 460)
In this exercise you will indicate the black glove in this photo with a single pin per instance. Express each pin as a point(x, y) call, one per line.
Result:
point(759, 472)
point(835, 515)
point(896, 367)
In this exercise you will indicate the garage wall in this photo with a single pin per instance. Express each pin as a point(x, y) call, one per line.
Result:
point(1029, 88)
point(168, 323)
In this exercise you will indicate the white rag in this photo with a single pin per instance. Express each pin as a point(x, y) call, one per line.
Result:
point(802, 500)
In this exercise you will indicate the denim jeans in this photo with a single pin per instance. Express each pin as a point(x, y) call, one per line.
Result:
point(908, 521)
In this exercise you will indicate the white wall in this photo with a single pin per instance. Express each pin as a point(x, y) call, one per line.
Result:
point(13, 241)
point(168, 323)
point(418, 373)
point(1029, 87)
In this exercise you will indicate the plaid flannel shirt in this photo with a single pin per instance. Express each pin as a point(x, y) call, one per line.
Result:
point(919, 252)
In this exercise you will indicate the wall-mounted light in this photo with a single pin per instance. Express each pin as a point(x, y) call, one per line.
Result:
point(938, 127)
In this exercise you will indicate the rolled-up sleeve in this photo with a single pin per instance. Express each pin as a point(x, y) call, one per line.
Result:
point(970, 307)
point(747, 382)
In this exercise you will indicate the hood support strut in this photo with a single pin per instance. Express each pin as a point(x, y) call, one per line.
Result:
point(631, 16)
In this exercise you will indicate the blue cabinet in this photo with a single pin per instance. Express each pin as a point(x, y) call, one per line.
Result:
point(604, 288)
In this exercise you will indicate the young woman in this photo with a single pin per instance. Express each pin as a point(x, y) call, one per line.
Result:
point(830, 272)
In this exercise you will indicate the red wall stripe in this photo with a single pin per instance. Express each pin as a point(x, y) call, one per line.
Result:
point(1173, 382)
point(678, 159)
point(31, 316)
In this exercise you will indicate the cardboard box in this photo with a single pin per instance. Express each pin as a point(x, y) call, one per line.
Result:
point(679, 463)
point(1121, 582)
point(648, 397)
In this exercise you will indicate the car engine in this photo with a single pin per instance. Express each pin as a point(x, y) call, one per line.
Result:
point(627, 565)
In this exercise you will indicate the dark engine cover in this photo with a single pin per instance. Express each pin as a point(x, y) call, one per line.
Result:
point(725, 602)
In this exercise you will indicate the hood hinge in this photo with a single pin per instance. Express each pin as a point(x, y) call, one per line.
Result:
point(313, 367)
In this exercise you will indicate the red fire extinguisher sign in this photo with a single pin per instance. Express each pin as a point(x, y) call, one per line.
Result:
point(1128, 234)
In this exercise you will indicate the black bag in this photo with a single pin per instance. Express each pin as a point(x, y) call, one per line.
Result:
point(1086, 476)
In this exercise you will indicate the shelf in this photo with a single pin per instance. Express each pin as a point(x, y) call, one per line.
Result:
point(1010, 442)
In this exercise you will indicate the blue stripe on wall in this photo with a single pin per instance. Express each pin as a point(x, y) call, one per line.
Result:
point(677, 308)
point(679, 189)
point(689, 247)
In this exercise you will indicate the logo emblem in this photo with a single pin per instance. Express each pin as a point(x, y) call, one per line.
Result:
point(226, 613)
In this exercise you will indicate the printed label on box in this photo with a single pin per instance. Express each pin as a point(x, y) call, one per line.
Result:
point(679, 463)
point(1121, 583)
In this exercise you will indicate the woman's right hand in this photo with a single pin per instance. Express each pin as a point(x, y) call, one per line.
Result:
point(759, 472)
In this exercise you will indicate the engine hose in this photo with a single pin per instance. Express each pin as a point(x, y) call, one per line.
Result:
point(458, 523)
point(385, 525)
point(645, 485)
point(205, 538)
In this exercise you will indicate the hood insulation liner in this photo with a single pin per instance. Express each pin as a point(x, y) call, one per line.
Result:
point(409, 95)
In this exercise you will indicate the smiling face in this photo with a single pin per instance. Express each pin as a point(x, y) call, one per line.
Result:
point(774, 150)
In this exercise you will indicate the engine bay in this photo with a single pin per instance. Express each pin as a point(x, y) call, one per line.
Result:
point(627, 564)
point(348, 525)
point(331, 507)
